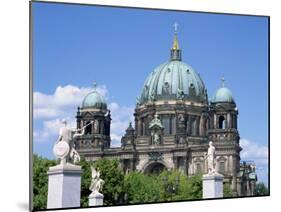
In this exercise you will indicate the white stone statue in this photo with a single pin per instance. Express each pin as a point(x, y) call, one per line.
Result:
point(155, 138)
point(210, 156)
point(64, 148)
point(96, 126)
point(97, 182)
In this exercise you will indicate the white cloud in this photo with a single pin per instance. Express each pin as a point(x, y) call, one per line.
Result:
point(50, 130)
point(252, 150)
point(61, 101)
point(49, 109)
point(121, 116)
point(258, 154)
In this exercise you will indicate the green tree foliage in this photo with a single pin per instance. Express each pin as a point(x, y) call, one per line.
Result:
point(110, 173)
point(114, 180)
point(261, 189)
point(138, 187)
point(40, 181)
point(142, 188)
point(85, 181)
point(227, 191)
point(167, 186)
point(195, 187)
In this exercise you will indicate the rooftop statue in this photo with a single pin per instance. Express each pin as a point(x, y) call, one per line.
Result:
point(155, 138)
point(156, 122)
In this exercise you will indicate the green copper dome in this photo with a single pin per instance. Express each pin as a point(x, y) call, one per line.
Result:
point(223, 95)
point(94, 100)
point(174, 80)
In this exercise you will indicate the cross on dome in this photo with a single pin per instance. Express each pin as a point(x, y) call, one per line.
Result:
point(95, 85)
point(222, 81)
point(176, 27)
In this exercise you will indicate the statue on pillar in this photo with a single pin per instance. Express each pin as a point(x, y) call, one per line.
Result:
point(97, 182)
point(210, 157)
point(64, 148)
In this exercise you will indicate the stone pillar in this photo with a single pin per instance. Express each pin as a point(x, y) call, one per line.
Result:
point(96, 199)
point(239, 192)
point(229, 121)
point(234, 174)
point(212, 186)
point(64, 186)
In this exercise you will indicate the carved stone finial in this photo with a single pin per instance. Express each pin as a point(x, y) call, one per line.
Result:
point(95, 85)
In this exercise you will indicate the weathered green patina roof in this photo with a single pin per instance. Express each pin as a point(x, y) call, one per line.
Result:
point(156, 122)
point(173, 80)
point(223, 95)
point(94, 100)
point(253, 176)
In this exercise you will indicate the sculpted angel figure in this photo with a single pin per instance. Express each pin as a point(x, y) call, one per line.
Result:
point(97, 182)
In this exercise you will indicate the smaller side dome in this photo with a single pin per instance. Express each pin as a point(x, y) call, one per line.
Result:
point(94, 100)
point(223, 94)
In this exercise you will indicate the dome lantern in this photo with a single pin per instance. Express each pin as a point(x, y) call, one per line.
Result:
point(173, 80)
point(94, 100)
point(175, 50)
point(223, 94)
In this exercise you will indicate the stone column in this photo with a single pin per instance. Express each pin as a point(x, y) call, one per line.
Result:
point(64, 186)
point(212, 186)
point(96, 199)
point(239, 187)
point(228, 117)
point(234, 175)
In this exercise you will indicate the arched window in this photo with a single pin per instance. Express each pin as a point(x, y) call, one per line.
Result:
point(142, 127)
point(88, 129)
point(221, 122)
point(221, 167)
point(166, 125)
point(198, 168)
point(194, 127)
point(173, 125)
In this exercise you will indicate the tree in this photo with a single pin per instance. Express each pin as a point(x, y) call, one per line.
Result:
point(167, 186)
point(85, 181)
point(261, 189)
point(141, 188)
point(40, 181)
point(227, 191)
point(195, 187)
point(113, 178)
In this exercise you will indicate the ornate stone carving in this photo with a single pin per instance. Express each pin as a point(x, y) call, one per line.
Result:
point(155, 156)
point(180, 94)
point(210, 157)
point(64, 148)
point(97, 182)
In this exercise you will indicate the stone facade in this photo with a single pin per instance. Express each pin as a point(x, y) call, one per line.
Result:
point(187, 121)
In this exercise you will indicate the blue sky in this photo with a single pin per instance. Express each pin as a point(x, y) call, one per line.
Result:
point(75, 45)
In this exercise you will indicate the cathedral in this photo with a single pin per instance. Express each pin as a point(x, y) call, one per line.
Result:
point(174, 122)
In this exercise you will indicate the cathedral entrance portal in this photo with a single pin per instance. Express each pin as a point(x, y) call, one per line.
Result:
point(154, 168)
